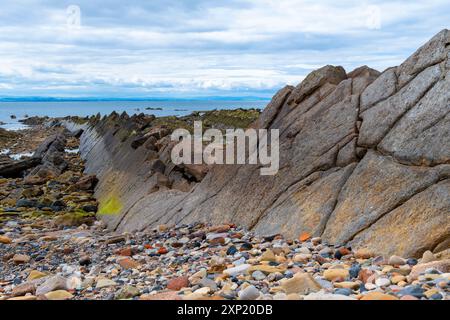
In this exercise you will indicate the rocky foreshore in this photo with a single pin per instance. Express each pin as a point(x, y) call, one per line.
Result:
point(364, 161)
point(358, 210)
point(198, 262)
point(52, 247)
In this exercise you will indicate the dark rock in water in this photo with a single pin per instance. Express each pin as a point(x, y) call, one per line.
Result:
point(34, 121)
point(13, 116)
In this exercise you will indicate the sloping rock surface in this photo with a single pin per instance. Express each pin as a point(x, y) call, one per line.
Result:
point(364, 159)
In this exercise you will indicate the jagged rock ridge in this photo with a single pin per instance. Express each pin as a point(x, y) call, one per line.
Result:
point(364, 160)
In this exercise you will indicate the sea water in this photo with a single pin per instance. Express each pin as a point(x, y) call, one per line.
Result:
point(86, 108)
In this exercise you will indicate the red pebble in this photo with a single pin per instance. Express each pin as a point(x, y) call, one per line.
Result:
point(162, 250)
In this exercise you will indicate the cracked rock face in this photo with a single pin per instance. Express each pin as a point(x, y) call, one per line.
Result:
point(364, 159)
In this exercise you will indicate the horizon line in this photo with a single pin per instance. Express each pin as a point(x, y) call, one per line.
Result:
point(81, 99)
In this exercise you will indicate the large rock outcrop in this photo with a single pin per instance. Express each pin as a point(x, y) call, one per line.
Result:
point(364, 160)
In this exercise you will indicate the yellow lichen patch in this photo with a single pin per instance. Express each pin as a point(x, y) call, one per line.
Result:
point(111, 206)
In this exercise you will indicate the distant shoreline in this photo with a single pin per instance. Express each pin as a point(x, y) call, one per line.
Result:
point(93, 99)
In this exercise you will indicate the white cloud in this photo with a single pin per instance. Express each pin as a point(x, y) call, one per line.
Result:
point(200, 47)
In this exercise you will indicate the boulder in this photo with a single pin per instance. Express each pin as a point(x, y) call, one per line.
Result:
point(364, 160)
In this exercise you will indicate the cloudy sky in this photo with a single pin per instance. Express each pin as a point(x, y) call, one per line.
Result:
point(174, 48)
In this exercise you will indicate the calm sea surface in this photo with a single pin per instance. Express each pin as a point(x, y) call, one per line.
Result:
point(87, 108)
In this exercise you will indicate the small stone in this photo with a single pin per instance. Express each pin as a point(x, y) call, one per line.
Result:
point(170, 295)
point(302, 257)
point(34, 274)
point(126, 252)
point(52, 284)
point(441, 266)
point(232, 272)
point(74, 283)
point(397, 279)
point(232, 250)
point(85, 260)
point(408, 298)
point(24, 298)
point(178, 283)
point(430, 292)
point(21, 259)
point(304, 250)
point(436, 296)
point(268, 255)
point(266, 268)
point(280, 296)
point(335, 274)
point(301, 283)
point(343, 291)
point(354, 270)
point(375, 295)
point(205, 282)
point(162, 250)
point(326, 296)
point(427, 257)
point(363, 254)
point(103, 283)
point(5, 240)
point(347, 285)
point(370, 286)
point(411, 261)
point(365, 274)
point(382, 282)
point(305, 236)
point(258, 275)
point(415, 291)
point(162, 228)
point(58, 295)
point(128, 263)
point(249, 293)
point(396, 261)
point(23, 289)
point(127, 292)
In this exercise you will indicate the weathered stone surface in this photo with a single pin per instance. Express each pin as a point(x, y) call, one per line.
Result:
point(377, 186)
point(417, 225)
point(433, 52)
point(327, 74)
point(422, 136)
point(301, 283)
point(383, 87)
point(305, 207)
point(379, 120)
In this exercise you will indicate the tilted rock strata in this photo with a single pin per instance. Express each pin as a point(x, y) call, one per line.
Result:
point(364, 158)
